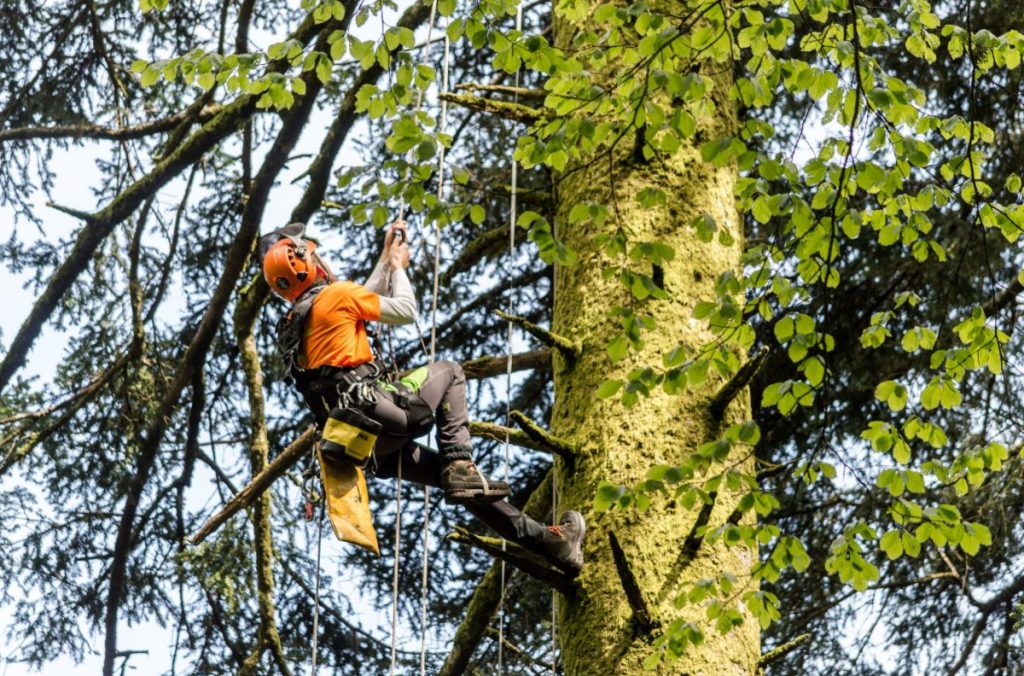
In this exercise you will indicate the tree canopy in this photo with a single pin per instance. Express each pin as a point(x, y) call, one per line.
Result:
point(874, 150)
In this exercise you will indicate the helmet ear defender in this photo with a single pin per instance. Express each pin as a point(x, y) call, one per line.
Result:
point(289, 261)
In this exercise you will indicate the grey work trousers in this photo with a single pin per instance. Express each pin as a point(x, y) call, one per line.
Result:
point(444, 390)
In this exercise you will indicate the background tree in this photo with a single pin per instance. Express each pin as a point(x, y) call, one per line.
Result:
point(860, 157)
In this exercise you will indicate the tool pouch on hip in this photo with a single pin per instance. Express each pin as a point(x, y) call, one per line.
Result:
point(350, 435)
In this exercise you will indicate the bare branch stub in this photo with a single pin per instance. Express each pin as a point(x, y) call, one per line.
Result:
point(542, 437)
point(736, 384)
point(634, 596)
point(569, 349)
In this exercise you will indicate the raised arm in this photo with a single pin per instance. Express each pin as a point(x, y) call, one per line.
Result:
point(397, 303)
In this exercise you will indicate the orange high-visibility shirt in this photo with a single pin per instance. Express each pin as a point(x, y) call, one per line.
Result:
point(335, 332)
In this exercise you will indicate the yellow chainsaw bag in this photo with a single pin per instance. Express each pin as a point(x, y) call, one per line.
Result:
point(349, 435)
point(348, 504)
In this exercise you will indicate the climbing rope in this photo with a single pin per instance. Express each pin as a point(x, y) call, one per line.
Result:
point(316, 594)
point(513, 209)
point(394, 576)
point(424, 582)
point(425, 578)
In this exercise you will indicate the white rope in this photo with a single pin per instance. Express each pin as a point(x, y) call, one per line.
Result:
point(513, 217)
point(394, 576)
point(424, 52)
point(316, 595)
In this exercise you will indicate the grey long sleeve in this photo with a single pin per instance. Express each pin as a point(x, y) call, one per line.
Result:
point(400, 306)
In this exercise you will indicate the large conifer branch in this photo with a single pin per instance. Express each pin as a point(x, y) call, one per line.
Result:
point(501, 433)
point(252, 491)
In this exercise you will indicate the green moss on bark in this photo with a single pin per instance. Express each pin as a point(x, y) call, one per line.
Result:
point(619, 444)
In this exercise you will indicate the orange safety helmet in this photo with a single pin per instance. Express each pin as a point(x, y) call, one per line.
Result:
point(290, 262)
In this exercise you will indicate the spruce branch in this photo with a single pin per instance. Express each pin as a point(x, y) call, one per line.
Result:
point(634, 596)
point(736, 384)
point(517, 556)
point(542, 437)
point(95, 131)
point(569, 349)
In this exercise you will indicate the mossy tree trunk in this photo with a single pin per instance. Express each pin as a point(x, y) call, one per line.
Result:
point(598, 633)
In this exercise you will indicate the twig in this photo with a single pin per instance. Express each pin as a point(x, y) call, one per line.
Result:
point(76, 213)
point(736, 384)
point(569, 349)
point(629, 585)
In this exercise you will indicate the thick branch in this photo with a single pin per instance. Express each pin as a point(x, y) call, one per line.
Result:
point(737, 384)
point(488, 367)
point(569, 349)
point(503, 109)
point(96, 131)
point(545, 439)
point(515, 555)
point(629, 585)
point(252, 491)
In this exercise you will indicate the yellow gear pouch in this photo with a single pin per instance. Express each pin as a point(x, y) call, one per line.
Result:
point(349, 435)
point(348, 503)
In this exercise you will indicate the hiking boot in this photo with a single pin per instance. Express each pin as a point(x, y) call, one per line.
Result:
point(563, 544)
point(463, 483)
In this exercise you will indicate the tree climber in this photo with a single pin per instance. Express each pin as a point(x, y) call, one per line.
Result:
point(324, 343)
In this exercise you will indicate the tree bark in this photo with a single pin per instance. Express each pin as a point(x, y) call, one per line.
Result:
point(598, 631)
